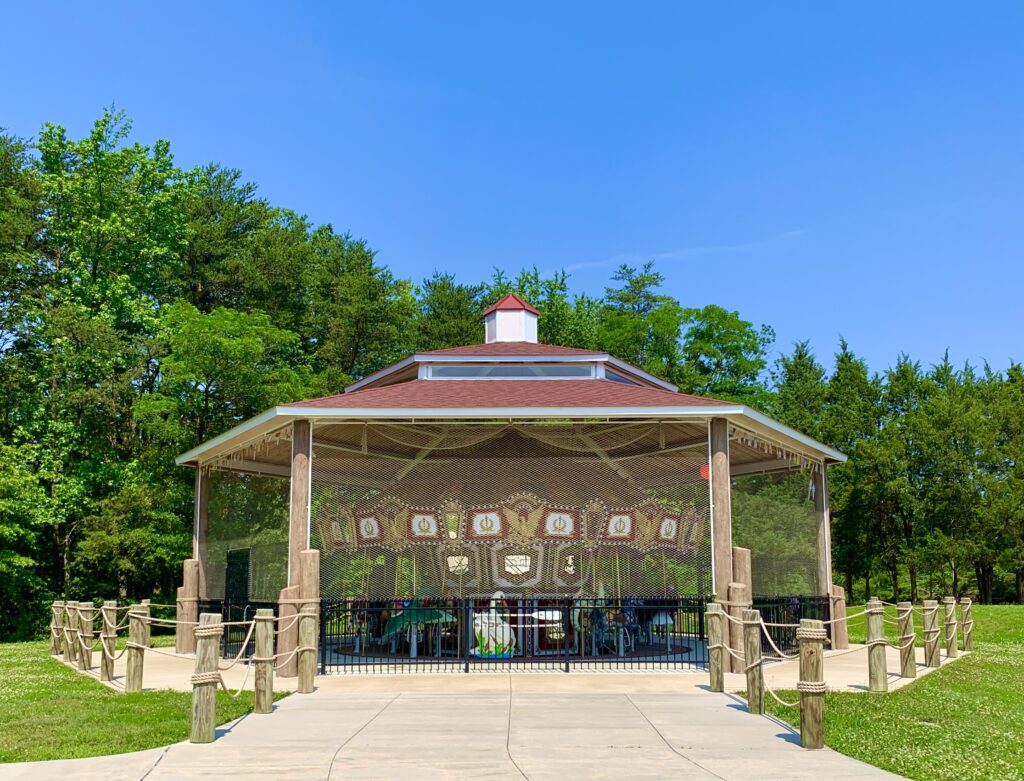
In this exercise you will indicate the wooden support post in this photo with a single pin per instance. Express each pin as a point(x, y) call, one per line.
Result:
point(752, 659)
point(263, 660)
point(931, 633)
point(200, 526)
point(187, 608)
point(713, 620)
point(87, 615)
point(298, 511)
point(138, 642)
point(907, 640)
point(949, 603)
point(811, 685)
point(71, 632)
point(57, 629)
point(288, 631)
point(738, 601)
point(824, 530)
point(878, 679)
point(721, 507)
point(108, 639)
point(840, 630)
point(206, 678)
point(307, 649)
point(967, 623)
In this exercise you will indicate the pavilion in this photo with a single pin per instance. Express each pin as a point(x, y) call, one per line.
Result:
point(510, 473)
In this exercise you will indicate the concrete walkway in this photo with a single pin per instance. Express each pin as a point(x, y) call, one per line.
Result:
point(843, 672)
point(492, 734)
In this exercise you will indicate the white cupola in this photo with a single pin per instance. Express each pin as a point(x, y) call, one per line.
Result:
point(510, 320)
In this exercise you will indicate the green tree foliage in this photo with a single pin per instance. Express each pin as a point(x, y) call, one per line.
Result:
point(145, 308)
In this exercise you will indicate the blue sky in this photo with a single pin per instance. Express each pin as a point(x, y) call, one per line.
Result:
point(830, 169)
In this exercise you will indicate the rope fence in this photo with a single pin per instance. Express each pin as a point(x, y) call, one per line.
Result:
point(812, 637)
point(73, 639)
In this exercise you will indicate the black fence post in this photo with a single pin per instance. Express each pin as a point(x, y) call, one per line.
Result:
point(322, 637)
point(467, 632)
point(566, 625)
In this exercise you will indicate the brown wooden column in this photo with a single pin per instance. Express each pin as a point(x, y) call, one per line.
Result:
point(200, 524)
point(824, 527)
point(298, 513)
point(721, 507)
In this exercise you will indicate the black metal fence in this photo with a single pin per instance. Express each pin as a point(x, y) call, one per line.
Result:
point(540, 633)
point(789, 610)
point(235, 634)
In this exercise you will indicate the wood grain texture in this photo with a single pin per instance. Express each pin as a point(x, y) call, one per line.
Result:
point(752, 659)
point(204, 695)
point(812, 705)
point(878, 679)
point(716, 653)
point(264, 699)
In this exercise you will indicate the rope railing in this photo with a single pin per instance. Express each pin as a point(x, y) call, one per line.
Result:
point(812, 636)
point(72, 638)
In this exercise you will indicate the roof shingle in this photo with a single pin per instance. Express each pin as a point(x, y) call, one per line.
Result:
point(519, 394)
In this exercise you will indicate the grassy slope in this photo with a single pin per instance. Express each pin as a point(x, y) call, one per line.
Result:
point(49, 711)
point(963, 722)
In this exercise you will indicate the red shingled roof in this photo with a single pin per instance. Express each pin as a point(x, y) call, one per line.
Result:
point(478, 394)
point(512, 348)
point(510, 302)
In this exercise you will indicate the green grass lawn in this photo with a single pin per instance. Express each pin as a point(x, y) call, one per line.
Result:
point(963, 722)
point(49, 711)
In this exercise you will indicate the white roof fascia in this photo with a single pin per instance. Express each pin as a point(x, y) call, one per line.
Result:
point(211, 448)
point(791, 433)
point(381, 373)
point(637, 372)
point(211, 444)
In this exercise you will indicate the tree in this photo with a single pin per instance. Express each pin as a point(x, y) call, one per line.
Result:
point(723, 356)
point(448, 313)
point(800, 390)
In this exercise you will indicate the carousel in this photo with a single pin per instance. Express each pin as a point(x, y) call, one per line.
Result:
point(504, 501)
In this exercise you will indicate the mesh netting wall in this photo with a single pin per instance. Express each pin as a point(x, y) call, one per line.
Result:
point(247, 523)
point(613, 510)
point(774, 516)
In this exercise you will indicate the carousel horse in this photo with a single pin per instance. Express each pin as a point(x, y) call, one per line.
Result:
point(493, 634)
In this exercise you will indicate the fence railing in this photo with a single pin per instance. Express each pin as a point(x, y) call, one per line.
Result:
point(550, 633)
point(783, 614)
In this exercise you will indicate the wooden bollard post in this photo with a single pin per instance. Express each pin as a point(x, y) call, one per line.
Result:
point(206, 678)
point(733, 632)
point(307, 649)
point(949, 603)
point(931, 633)
point(752, 660)
point(187, 608)
point(263, 660)
point(86, 617)
point(967, 623)
point(878, 679)
point(71, 631)
point(811, 685)
point(713, 620)
point(840, 630)
point(138, 641)
point(57, 629)
point(908, 639)
point(108, 639)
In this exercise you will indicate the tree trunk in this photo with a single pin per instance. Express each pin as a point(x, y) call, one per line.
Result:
point(894, 577)
point(1020, 586)
point(913, 582)
point(849, 583)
